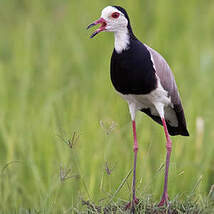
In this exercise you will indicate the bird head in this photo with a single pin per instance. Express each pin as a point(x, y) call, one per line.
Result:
point(113, 19)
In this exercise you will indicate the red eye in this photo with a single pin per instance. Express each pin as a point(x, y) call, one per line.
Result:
point(115, 15)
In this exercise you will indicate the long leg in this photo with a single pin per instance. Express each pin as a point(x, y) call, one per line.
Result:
point(165, 198)
point(135, 148)
point(134, 201)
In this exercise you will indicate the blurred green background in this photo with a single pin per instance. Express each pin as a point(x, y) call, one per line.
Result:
point(54, 82)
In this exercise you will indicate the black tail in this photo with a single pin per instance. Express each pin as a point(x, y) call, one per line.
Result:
point(180, 129)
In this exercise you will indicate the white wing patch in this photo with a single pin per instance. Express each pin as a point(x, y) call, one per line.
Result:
point(153, 61)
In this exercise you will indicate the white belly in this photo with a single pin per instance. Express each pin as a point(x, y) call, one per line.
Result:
point(150, 101)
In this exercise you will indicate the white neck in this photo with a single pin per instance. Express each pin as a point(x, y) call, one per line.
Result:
point(121, 40)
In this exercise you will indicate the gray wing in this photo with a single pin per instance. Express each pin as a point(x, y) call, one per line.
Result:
point(167, 80)
point(165, 74)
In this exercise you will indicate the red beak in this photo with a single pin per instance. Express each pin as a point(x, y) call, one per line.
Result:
point(100, 29)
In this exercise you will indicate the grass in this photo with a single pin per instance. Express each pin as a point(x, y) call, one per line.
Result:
point(146, 205)
point(54, 82)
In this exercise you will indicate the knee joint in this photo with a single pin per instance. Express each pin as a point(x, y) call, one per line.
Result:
point(135, 149)
point(169, 148)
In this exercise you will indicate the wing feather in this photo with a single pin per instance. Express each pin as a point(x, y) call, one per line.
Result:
point(167, 80)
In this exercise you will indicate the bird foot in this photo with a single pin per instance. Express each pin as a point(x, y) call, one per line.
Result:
point(132, 204)
point(164, 200)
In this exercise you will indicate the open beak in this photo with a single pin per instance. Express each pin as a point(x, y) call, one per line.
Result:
point(100, 29)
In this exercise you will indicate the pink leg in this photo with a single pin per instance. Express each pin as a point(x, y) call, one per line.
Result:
point(165, 198)
point(135, 160)
point(134, 199)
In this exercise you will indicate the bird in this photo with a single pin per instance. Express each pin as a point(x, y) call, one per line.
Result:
point(143, 78)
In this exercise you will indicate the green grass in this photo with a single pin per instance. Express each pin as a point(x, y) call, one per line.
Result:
point(147, 205)
point(54, 81)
